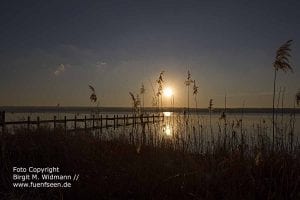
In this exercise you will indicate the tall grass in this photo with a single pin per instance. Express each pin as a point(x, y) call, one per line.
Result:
point(195, 93)
point(187, 83)
point(160, 81)
point(136, 103)
point(142, 92)
point(281, 63)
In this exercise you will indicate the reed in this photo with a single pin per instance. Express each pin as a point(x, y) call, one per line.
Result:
point(187, 83)
point(136, 103)
point(160, 81)
point(142, 92)
point(195, 93)
point(281, 63)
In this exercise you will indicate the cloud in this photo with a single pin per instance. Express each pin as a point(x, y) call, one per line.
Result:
point(61, 69)
point(101, 65)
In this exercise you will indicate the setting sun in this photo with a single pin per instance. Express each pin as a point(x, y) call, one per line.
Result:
point(168, 92)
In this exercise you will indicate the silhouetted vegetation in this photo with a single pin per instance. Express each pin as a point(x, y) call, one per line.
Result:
point(281, 63)
point(121, 169)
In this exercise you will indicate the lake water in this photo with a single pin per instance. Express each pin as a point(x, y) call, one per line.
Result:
point(194, 128)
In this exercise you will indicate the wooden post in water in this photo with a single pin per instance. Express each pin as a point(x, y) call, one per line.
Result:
point(117, 121)
point(124, 120)
point(106, 121)
point(65, 124)
point(114, 122)
point(2, 121)
point(153, 119)
point(75, 120)
point(38, 122)
point(141, 119)
point(28, 123)
point(54, 122)
point(85, 123)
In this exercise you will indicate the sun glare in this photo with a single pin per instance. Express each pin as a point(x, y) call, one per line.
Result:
point(168, 92)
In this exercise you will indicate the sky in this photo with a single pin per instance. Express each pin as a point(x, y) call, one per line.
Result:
point(52, 50)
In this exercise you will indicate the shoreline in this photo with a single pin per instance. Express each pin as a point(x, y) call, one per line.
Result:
point(82, 109)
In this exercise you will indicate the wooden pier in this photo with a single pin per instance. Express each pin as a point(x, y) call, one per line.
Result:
point(92, 122)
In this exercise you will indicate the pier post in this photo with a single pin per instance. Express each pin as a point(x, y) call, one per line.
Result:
point(28, 123)
point(65, 124)
point(117, 121)
point(114, 122)
point(2, 121)
point(54, 122)
point(85, 123)
point(142, 119)
point(38, 122)
point(75, 120)
point(106, 121)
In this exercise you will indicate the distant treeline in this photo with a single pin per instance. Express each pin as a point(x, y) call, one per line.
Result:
point(81, 109)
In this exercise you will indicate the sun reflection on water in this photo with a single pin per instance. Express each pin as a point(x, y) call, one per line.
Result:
point(167, 130)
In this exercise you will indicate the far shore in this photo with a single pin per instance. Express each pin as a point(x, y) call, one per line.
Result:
point(85, 109)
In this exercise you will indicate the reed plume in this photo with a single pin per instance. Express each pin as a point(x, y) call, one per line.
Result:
point(210, 106)
point(135, 102)
point(195, 88)
point(142, 92)
point(195, 92)
point(282, 57)
point(160, 82)
point(93, 96)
